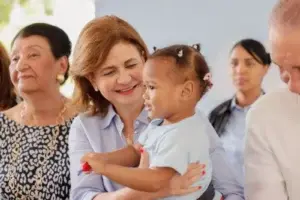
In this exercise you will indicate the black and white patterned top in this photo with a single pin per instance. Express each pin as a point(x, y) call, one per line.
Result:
point(33, 145)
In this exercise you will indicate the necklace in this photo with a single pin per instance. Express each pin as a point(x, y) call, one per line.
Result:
point(60, 119)
point(16, 152)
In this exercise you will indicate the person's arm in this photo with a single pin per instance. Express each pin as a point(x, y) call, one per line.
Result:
point(90, 186)
point(127, 157)
point(179, 185)
point(170, 158)
point(142, 179)
point(225, 180)
point(263, 178)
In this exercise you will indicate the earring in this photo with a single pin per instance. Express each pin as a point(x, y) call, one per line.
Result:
point(94, 86)
point(60, 78)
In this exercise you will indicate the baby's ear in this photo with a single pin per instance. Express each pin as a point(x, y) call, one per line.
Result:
point(187, 90)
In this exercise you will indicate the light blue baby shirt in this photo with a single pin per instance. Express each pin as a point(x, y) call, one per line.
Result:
point(178, 145)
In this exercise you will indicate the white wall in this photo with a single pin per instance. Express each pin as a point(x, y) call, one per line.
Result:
point(217, 25)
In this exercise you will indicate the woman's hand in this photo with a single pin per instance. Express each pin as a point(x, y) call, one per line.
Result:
point(182, 185)
point(179, 185)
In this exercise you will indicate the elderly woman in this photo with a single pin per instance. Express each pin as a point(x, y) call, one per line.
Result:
point(34, 162)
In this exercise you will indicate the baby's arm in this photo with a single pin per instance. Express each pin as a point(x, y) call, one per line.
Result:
point(128, 156)
point(147, 179)
point(163, 166)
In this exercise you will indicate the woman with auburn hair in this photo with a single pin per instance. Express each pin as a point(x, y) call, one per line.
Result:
point(107, 68)
point(101, 36)
point(8, 96)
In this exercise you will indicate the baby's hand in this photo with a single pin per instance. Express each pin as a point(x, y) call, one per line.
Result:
point(93, 162)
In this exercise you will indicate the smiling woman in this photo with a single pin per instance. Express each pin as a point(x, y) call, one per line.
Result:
point(107, 68)
point(34, 163)
point(118, 77)
point(115, 76)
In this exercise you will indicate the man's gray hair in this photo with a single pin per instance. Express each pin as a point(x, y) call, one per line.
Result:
point(285, 14)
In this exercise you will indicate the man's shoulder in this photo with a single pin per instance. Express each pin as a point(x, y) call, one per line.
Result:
point(274, 102)
point(273, 99)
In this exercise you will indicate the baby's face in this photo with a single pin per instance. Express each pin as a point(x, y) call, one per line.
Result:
point(161, 89)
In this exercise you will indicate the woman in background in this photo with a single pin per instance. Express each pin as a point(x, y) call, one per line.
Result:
point(34, 162)
point(249, 63)
point(8, 96)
